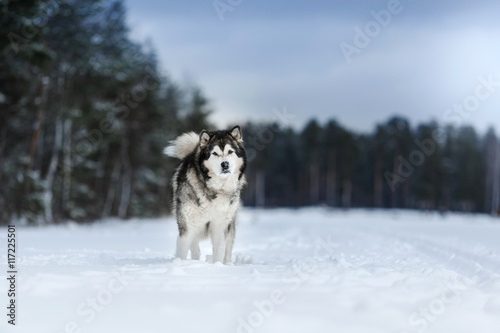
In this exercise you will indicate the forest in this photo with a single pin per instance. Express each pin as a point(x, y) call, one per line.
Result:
point(427, 167)
point(86, 112)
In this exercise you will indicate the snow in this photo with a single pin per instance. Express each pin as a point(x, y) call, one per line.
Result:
point(306, 270)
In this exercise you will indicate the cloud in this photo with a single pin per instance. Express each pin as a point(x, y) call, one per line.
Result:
point(267, 56)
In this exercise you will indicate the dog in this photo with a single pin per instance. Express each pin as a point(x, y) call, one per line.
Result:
point(206, 190)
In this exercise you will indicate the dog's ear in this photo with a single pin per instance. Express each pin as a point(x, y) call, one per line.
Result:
point(236, 133)
point(204, 138)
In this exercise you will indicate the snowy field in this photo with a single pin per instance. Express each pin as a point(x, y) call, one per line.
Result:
point(308, 270)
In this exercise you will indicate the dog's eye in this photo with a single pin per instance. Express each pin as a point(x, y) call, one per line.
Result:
point(230, 152)
point(215, 154)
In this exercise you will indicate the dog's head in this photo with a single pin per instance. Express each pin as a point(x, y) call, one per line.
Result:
point(222, 152)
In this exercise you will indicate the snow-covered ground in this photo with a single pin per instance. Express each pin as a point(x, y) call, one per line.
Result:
point(307, 270)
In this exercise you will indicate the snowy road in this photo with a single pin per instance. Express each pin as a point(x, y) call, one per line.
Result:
point(309, 270)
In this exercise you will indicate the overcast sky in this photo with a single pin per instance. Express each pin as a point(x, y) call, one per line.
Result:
point(332, 59)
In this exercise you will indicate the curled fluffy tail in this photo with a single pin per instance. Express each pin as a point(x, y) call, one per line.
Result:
point(183, 145)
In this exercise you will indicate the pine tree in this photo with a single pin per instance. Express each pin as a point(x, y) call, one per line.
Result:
point(430, 174)
point(490, 152)
point(469, 192)
point(311, 138)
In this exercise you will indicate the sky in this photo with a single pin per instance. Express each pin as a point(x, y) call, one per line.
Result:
point(358, 62)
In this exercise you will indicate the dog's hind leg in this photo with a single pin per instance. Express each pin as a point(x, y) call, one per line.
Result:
point(230, 231)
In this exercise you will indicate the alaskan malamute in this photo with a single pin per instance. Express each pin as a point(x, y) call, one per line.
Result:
point(207, 186)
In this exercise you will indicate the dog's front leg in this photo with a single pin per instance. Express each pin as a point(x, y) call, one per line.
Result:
point(218, 244)
point(230, 231)
point(185, 236)
point(195, 249)
point(183, 244)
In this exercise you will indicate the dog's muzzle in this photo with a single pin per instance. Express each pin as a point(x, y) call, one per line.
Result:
point(225, 167)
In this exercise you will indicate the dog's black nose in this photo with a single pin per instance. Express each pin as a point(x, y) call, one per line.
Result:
point(224, 165)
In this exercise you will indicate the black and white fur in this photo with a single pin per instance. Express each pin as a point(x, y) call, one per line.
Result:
point(206, 190)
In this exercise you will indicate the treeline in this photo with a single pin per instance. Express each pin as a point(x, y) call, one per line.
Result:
point(85, 114)
point(396, 166)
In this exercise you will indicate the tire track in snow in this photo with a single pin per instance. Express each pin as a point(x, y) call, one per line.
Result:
point(483, 270)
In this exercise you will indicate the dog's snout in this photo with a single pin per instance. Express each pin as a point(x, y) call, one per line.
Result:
point(225, 165)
